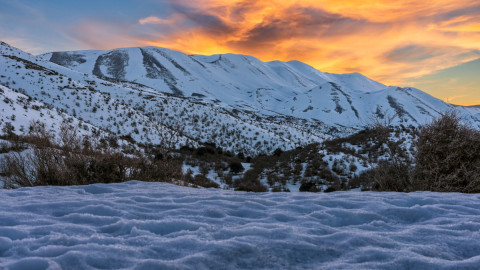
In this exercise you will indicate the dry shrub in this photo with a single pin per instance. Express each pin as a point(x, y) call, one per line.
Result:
point(166, 170)
point(203, 181)
point(52, 166)
point(447, 159)
point(249, 182)
point(392, 176)
point(18, 170)
point(38, 135)
point(73, 162)
point(308, 187)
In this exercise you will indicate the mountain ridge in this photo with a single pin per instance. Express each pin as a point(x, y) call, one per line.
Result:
point(282, 118)
point(275, 87)
point(147, 115)
point(237, 102)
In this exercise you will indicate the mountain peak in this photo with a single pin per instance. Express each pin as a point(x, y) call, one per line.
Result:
point(235, 101)
point(244, 83)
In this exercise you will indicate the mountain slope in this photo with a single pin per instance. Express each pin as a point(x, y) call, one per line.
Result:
point(74, 94)
point(158, 99)
point(19, 111)
point(147, 115)
point(156, 95)
point(276, 88)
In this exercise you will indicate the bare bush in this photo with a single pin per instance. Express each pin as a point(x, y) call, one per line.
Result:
point(392, 176)
point(38, 135)
point(249, 182)
point(18, 170)
point(74, 162)
point(69, 138)
point(166, 170)
point(201, 180)
point(447, 159)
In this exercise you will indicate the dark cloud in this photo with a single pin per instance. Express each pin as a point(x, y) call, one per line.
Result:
point(239, 10)
point(296, 22)
point(199, 19)
point(468, 55)
point(466, 11)
point(412, 53)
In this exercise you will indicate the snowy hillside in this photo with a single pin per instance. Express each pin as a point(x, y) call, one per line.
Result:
point(76, 95)
point(151, 94)
point(233, 108)
point(147, 115)
point(19, 111)
point(274, 88)
point(136, 225)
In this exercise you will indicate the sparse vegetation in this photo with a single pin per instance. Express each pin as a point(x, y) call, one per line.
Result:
point(446, 159)
point(77, 161)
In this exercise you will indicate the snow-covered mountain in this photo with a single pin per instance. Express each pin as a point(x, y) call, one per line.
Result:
point(238, 102)
point(146, 114)
point(75, 94)
point(275, 88)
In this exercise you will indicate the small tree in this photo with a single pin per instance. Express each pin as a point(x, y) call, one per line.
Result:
point(448, 156)
point(392, 175)
point(8, 130)
point(236, 167)
point(278, 152)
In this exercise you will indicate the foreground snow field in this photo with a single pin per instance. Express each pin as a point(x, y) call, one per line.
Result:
point(138, 225)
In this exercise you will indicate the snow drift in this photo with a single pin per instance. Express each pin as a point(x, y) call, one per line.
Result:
point(136, 225)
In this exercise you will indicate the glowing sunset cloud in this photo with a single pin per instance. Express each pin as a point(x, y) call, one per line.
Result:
point(396, 42)
point(391, 41)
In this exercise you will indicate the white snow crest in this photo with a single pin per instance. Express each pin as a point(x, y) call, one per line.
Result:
point(136, 225)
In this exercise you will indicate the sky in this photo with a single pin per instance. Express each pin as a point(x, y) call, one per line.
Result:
point(433, 45)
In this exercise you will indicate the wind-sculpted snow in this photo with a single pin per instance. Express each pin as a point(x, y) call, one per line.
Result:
point(137, 225)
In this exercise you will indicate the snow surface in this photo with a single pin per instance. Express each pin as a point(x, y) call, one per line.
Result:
point(136, 225)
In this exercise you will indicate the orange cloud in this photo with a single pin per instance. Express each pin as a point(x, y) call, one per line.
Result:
point(391, 41)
